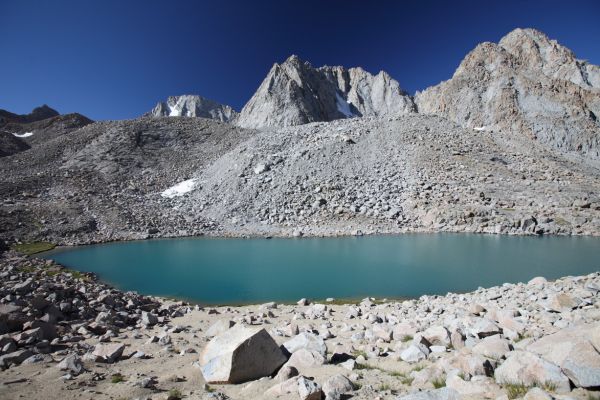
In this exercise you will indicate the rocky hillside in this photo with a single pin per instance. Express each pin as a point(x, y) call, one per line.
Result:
point(11, 144)
point(156, 177)
point(41, 125)
point(295, 93)
point(525, 85)
point(193, 106)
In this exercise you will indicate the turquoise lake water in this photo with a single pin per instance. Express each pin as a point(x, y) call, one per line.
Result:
point(234, 271)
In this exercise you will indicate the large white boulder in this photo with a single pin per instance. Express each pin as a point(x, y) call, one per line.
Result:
point(572, 349)
point(240, 354)
point(523, 367)
point(306, 341)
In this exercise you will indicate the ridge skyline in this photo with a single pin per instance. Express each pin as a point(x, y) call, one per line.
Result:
point(414, 45)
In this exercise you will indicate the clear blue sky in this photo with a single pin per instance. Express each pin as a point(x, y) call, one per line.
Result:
point(114, 59)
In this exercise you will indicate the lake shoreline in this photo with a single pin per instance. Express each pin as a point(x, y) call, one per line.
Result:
point(236, 233)
point(392, 347)
point(214, 271)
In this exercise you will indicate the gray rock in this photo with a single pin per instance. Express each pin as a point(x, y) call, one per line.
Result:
point(286, 372)
point(522, 367)
point(573, 352)
point(309, 390)
point(304, 358)
point(14, 358)
point(240, 354)
point(108, 352)
point(414, 353)
point(336, 386)
point(437, 335)
point(219, 327)
point(149, 319)
point(71, 363)
point(437, 394)
point(493, 347)
point(306, 341)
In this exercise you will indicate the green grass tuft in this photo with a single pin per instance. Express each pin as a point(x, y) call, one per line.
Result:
point(358, 353)
point(384, 386)
point(117, 378)
point(174, 394)
point(516, 390)
point(33, 248)
point(407, 380)
point(439, 382)
point(364, 366)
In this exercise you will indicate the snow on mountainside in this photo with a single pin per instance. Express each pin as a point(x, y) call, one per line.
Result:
point(193, 106)
point(295, 93)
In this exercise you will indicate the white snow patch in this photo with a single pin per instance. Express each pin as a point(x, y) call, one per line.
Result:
point(174, 112)
point(343, 106)
point(180, 189)
point(480, 128)
point(22, 135)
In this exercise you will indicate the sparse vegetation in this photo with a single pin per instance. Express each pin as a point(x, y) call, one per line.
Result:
point(439, 382)
point(117, 378)
point(33, 248)
point(521, 337)
point(364, 366)
point(384, 386)
point(174, 394)
point(27, 269)
point(406, 338)
point(408, 380)
point(516, 390)
point(78, 275)
point(358, 353)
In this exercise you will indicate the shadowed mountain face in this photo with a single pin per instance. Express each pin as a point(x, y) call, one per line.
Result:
point(295, 93)
point(10, 144)
point(28, 130)
point(38, 114)
point(526, 84)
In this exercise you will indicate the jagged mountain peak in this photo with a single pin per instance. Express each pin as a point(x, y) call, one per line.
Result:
point(526, 84)
point(193, 106)
point(295, 93)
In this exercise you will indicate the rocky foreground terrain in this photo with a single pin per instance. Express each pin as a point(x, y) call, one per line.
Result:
point(66, 335)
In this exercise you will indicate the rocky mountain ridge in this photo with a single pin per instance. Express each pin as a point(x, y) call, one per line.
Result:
point(193, 106)
point(526, 85)
point(21, 132)
point(38, 114)
point(295, 93)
